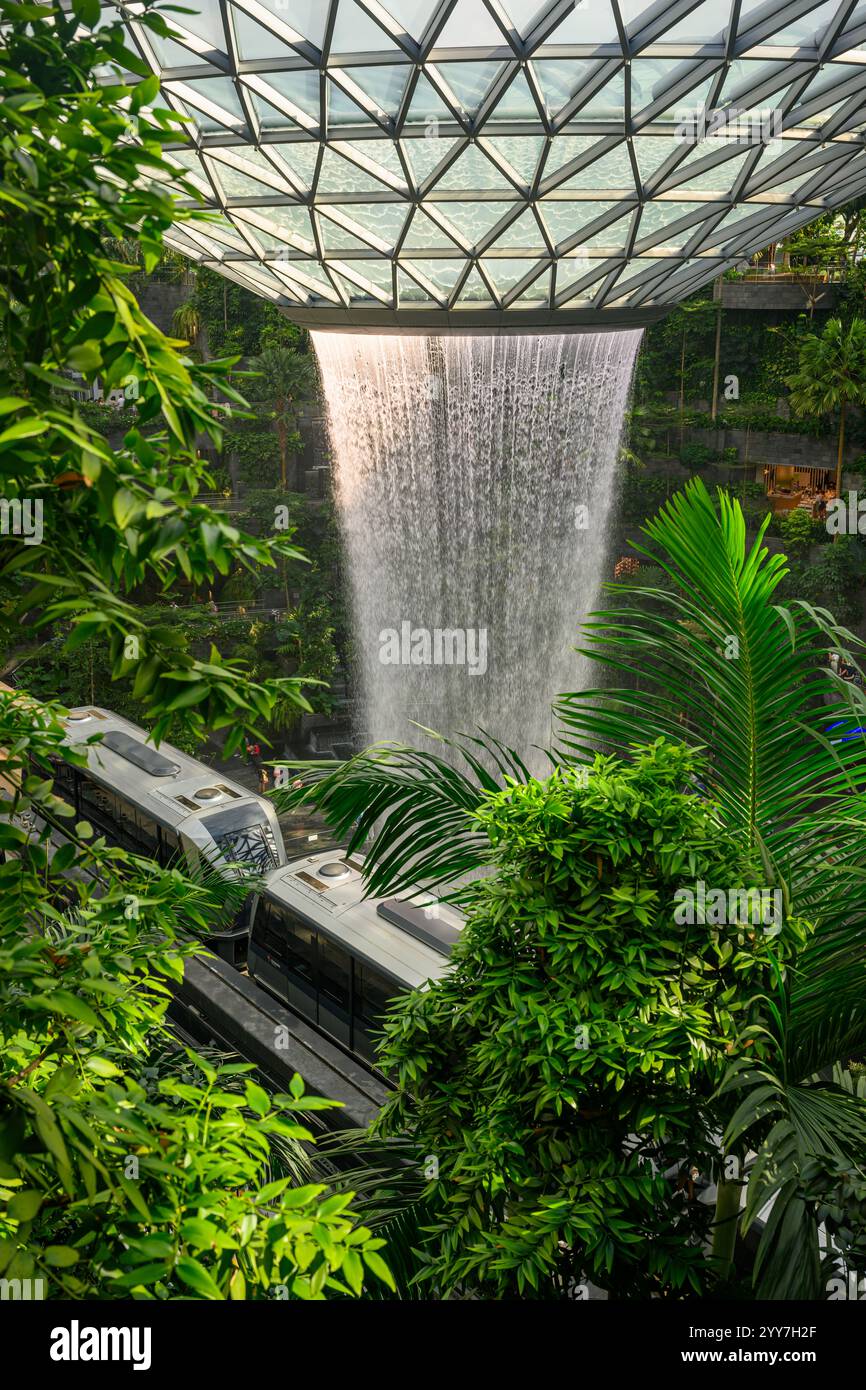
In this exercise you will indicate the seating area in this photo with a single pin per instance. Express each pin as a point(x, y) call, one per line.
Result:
point(790, 486)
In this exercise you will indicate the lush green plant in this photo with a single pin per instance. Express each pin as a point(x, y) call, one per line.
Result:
point(831, 376)
point(715, 662)
point(288, 379)
point(117, 1177)
point(106, 1188)
point(798, 531)
point(113, 518)
point(562, 1073)
point(696, 455)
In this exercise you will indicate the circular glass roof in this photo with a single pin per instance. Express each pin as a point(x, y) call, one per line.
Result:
point(503, 164)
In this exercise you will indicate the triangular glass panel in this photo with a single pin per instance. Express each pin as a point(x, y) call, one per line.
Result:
point(473, 220)
point(586, 24)
point(170, 54)
point(504, 274)
point(474, 290)
point(520, 152)
point(469, 18)
point(309, 18)
point(251, 161)
point(469, 82)
point(639, 269)
point(381, 153)
point(718, 179)
point(564, 219)
point(612, 170)
point(708, 22)
point(237, 184)
point(565, 148)
point(652, 77)
point(524, 232)
point(355, 32)
point(571, 270)
point(335, 237)
point(310, 271)
point(300, 156)
point(612, 238)
point(385, 221)
point(442, 275)
point(560, 79)
point(414, 15)
point(473, 172)
point(427, 106)
point(205, 24)
point(426, 154)
point(747, 75)
point(656, 216)
point(688, 106)
point(271, 117)
point(424, 234)
point(339, 175)
point(608, 104)
point(632, 12)
point(255, 42)
point(360, 292)
point(536, 293)
point(833, 75)
point(301, 88)
point(290, 221)
point(807, 31)
point(651, 152)
point(516, 104)
point(345, 109)
point(384, 83)
point(219, 92)
point(408, 292)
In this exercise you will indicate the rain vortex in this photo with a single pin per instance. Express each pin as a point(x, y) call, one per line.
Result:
point(474, 480)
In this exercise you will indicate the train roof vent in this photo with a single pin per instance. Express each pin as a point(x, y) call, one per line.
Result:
point(433, 931)
point(134, 751)
point(337, 868)
point(208, 794)
point(80, 716)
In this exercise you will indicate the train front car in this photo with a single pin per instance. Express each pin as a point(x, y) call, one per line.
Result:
point(160, 803)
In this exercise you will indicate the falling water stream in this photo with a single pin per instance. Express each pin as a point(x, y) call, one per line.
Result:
point(474, 481)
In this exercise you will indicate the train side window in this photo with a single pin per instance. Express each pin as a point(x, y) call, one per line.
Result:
point(372, 995)
point(65, 780)
point(100, 806)
point(298, 951)
point(335, 990)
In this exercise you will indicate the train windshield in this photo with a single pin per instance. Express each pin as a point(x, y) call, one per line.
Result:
point(243, 835)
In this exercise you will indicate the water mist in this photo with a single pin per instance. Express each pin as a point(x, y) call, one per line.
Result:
point(474, 481)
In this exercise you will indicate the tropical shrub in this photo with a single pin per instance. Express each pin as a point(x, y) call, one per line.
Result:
point(562, 1073)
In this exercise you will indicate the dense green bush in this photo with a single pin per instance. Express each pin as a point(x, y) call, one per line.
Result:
point(694, 456)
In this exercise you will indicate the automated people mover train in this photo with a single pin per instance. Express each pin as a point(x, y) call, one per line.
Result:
point(309, 937)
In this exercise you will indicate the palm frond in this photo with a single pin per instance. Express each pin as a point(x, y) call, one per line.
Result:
point(411, 811)
point(718, 664)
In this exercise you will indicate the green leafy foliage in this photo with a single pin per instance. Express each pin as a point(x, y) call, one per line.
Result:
point(562, 1072)
point(114, 518)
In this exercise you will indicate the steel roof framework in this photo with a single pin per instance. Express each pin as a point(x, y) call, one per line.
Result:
point(499, 164)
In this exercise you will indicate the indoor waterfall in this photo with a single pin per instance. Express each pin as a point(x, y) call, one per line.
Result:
point(474, 479)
